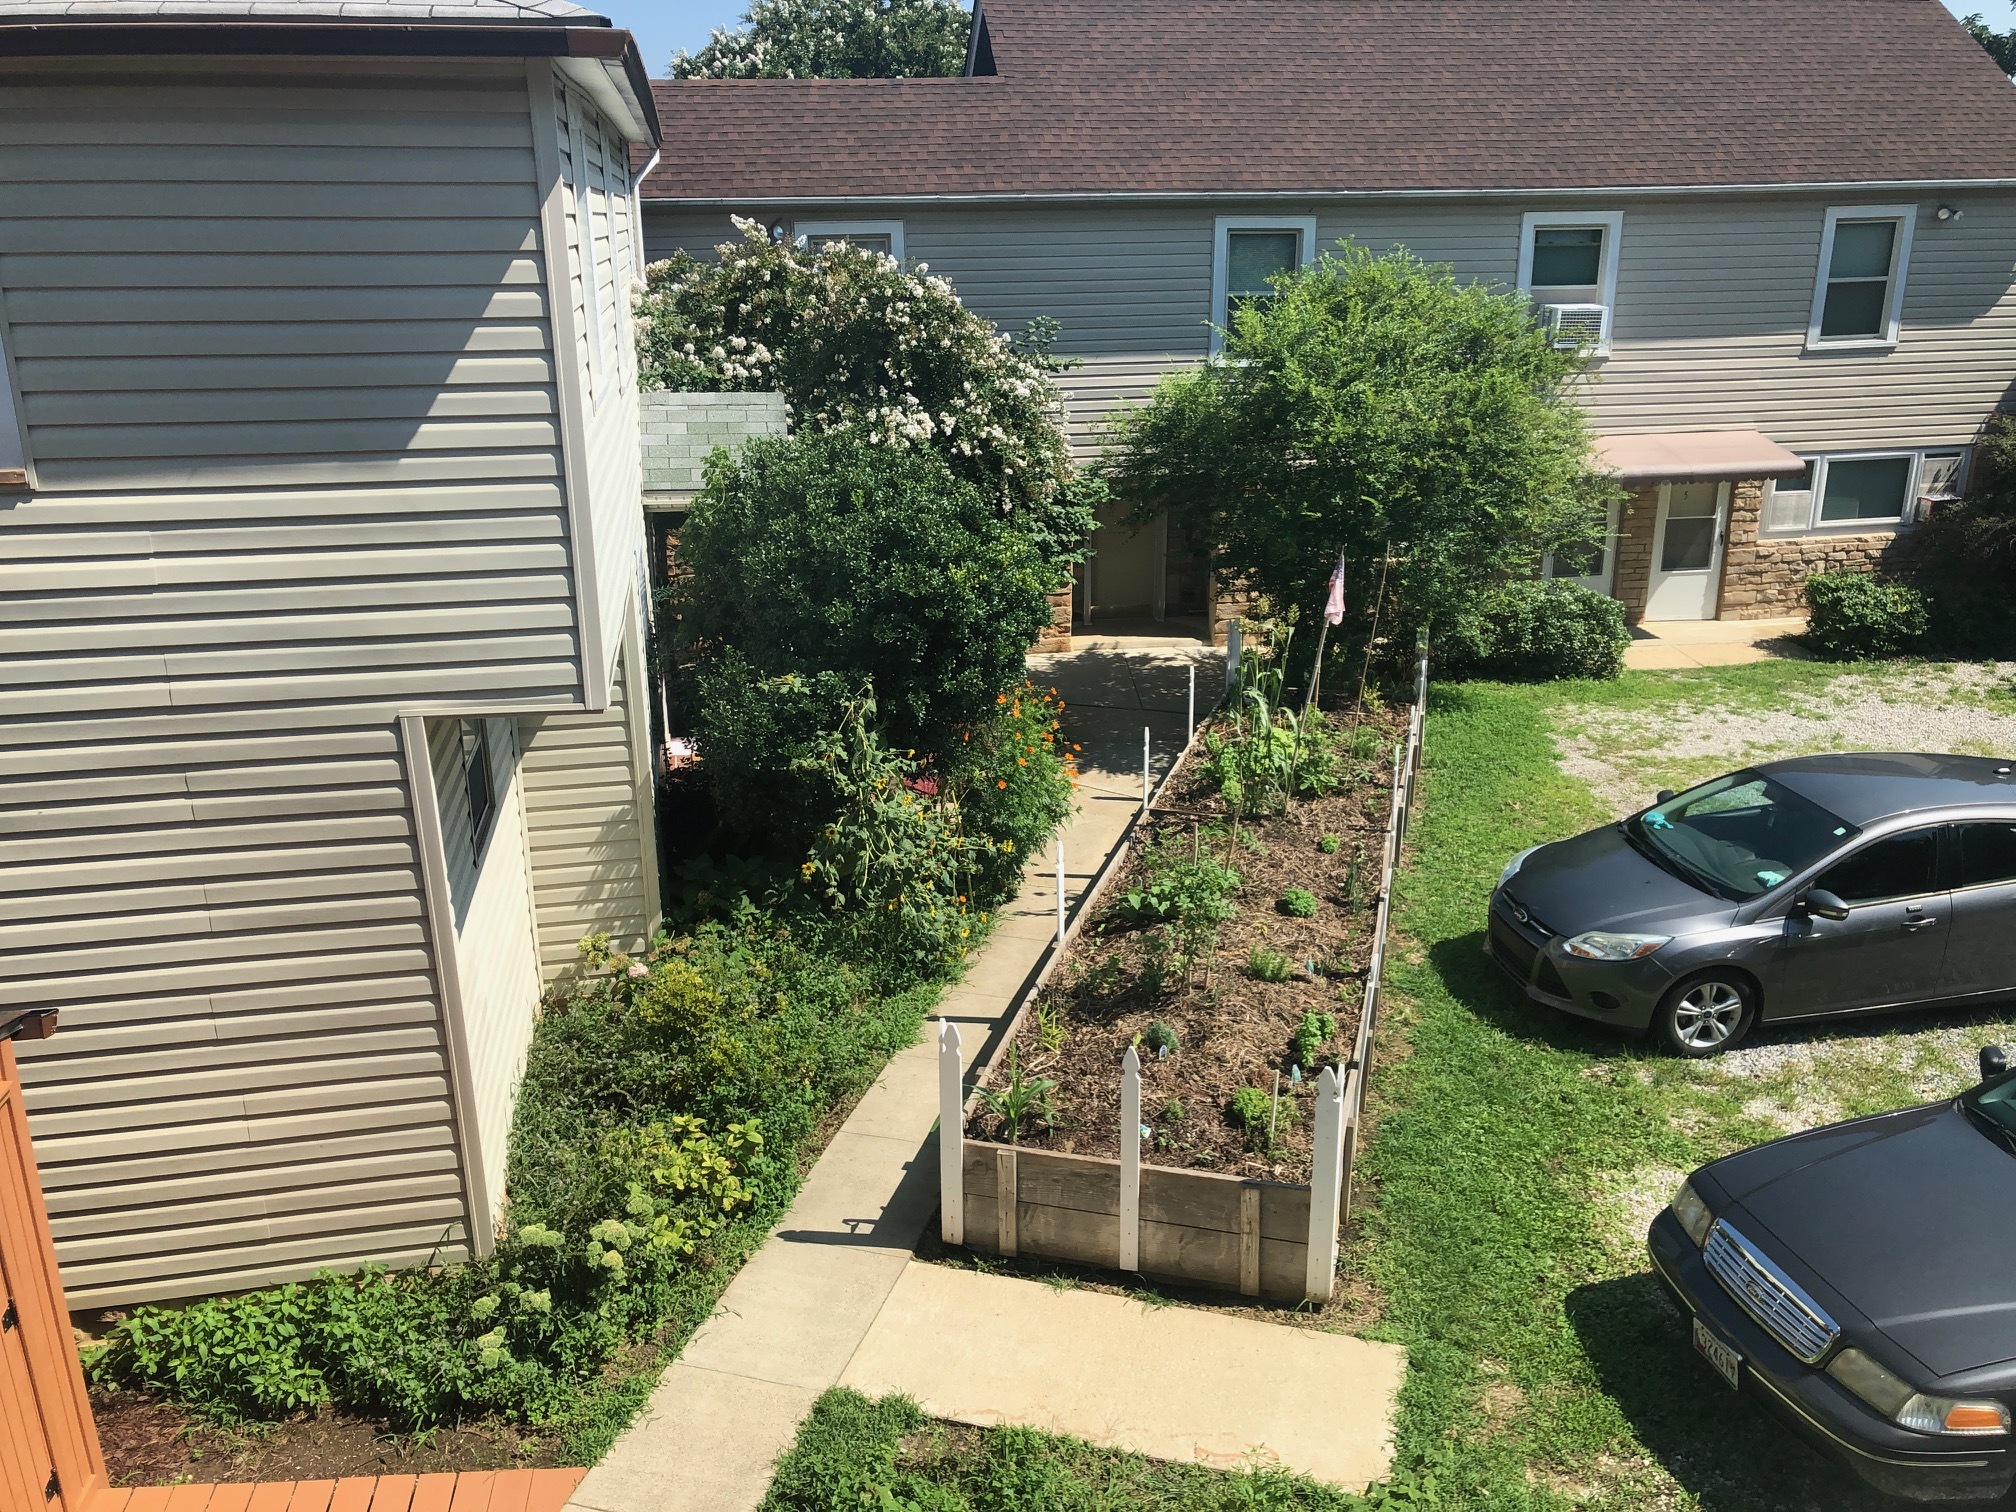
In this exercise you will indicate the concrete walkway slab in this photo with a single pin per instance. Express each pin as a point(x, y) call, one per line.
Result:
point(1662, 645)
point(1177, 1383)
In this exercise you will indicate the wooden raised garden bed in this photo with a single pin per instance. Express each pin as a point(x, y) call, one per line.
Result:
point(1142, 1163)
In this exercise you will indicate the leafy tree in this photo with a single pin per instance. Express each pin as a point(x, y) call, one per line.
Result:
point(817, 565)
point(1372, 404)
point(2002, 47)
point(835, 39)
point(858, 343)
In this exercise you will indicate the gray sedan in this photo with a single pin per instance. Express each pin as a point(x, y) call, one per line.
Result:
point(1795, 889)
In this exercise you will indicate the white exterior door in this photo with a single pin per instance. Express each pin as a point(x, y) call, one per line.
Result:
point(1687, 551)
point(1594, 566)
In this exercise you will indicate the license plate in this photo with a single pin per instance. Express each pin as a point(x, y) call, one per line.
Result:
point(1728, 1364)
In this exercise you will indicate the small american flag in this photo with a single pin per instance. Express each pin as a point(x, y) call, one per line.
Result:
point(1333, 611)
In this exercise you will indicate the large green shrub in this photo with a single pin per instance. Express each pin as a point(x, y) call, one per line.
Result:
point(859, 344)
point(1535, 630)
point(1858, 614)
point(826, 553)
point(1373, 405)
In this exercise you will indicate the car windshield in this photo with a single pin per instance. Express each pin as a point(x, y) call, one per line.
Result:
point(1994, 1105)
point(1739, 835)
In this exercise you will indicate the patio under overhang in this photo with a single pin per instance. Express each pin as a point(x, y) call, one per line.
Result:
point(1693, 456)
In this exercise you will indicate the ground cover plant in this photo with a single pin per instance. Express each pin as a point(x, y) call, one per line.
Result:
point(1517, 1155)
point(1231, 950)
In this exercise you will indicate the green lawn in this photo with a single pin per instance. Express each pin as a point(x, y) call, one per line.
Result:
point(1516, 1158)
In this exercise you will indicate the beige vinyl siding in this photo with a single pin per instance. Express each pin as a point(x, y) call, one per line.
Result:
point(591, 869)
point(250, 1079)
point(490, 890)
point(594, 168)
point(288, 379)
point(1713, 298)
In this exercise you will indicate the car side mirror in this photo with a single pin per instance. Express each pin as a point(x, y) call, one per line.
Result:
point(1822, 904)
point(1664, 795)
point(1994, 1061)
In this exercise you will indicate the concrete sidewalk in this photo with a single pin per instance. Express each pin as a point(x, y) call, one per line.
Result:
point(794, 1316)
point(1666, 644)
point(1178, 1383)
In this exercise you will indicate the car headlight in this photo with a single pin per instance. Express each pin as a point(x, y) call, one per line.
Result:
point(1891, 1395)
point(1512, 866)
point(1597, 945)
point(1692, 1213)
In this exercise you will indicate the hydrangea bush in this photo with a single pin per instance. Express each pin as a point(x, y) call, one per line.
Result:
point(858, 343)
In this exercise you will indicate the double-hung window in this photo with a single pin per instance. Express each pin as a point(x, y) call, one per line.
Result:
point(1858, 296)
point(1568, 268)
point(1859, 489)
point(1249, 253)
point(885, 237)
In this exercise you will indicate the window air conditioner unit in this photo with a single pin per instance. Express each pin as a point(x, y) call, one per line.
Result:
point(1576, 325)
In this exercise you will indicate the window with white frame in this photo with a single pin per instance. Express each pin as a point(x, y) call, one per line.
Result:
point(478, 781)
point(871, 236)
point(1858, 295)
point(1849, 490)
point(1249, 253)
point(1568, 268)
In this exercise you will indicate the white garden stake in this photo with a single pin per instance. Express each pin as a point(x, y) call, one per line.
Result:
point(951, 1137)
point(1326, 1183)
point(1060, 894)
point(1190, 716)
point(1144, 769)
point(1130, 1161)
point(1232, 658)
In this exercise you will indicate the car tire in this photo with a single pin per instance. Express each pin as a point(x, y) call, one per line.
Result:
point(1706, 1014)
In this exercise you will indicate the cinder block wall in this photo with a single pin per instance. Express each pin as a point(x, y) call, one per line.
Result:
point(681, 430)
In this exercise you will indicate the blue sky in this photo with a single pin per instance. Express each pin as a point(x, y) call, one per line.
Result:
point(663, 27)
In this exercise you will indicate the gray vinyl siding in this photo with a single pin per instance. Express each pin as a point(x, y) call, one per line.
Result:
point(1713, 299)
point(288, 377)
point(591, 869)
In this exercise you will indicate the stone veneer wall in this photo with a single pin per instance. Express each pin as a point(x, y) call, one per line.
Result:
point(1765, 576)
point(680, 431)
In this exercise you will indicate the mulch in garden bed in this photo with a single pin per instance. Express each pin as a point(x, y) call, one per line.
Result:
point(152, 1442)
point(1233, 1029)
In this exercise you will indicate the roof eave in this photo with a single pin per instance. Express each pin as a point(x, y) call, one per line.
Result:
point(1250, 196)
point(586, 52)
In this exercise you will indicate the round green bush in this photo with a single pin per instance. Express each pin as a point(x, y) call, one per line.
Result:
point(818, 566)
point(1859, 614)
point(1537, 630)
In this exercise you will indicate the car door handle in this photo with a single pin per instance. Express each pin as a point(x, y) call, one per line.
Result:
point(1918, 922)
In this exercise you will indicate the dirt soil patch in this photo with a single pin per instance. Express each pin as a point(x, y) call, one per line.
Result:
point(152, 1442)
point(1233, 1029)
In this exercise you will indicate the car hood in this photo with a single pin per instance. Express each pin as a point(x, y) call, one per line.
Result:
point(1597, 881)
point(1910, 1217)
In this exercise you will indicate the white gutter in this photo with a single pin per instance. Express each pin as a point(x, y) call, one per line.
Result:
point(1306, 196)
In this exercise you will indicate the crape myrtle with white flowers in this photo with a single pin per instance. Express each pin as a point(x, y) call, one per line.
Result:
point(858, 343)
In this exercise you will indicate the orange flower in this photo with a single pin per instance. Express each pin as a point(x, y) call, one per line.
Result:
point(1001, 784)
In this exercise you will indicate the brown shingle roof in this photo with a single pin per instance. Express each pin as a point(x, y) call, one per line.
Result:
point(1265, 96)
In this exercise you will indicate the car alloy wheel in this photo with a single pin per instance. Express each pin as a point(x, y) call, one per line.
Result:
point(1706, 1016)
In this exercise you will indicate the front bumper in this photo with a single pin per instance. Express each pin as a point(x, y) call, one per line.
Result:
point(1624, 993)
point(1813, 1405)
